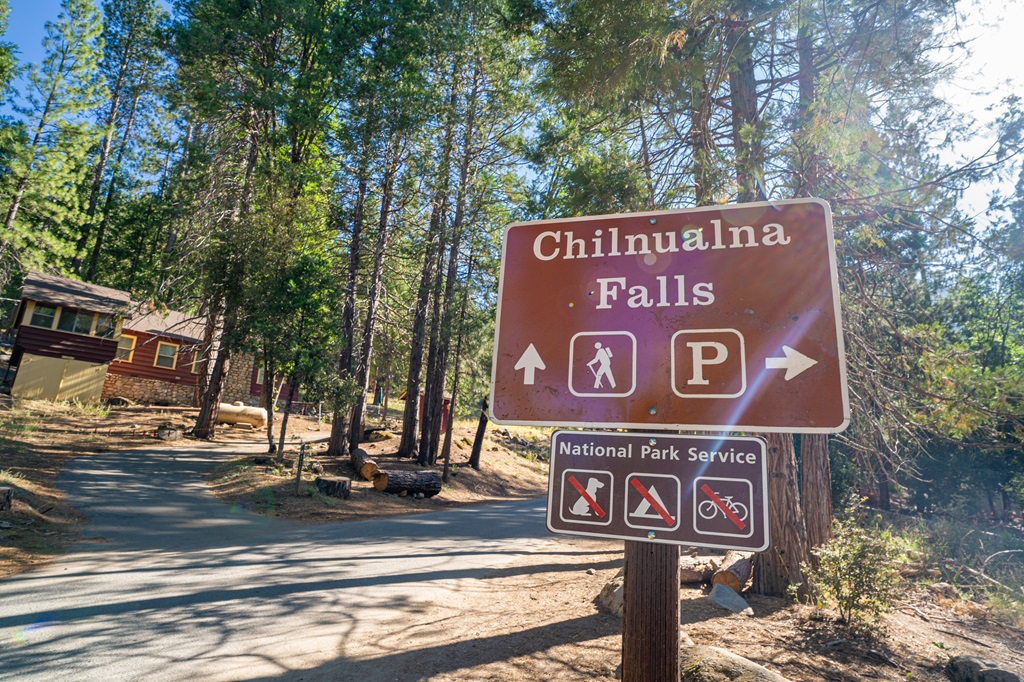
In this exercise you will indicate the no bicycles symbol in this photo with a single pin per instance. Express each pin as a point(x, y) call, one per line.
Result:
point(722, 506)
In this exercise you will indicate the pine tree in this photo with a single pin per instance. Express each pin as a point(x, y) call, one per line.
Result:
point(42, 206)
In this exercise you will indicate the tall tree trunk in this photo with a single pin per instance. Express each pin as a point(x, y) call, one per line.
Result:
point(269, 398)
point(779, 566)
point(743, 98)
point(446, 452)
point(337, 444)
point(478, 440)
point(209, 407)
point(409, 446)
point(293, 388)
point(104, 151)
point(816, 489)
point(97, 247)
point(434, 403)
point(702, 143)
point(816, 474)
point(373, 296)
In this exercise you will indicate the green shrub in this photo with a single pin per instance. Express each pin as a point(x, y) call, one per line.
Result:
point(857, 571)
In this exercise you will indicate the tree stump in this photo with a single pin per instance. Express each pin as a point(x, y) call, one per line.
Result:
point(6, 499)
point(334, 486)
point(362, 463)
point(427, 483)
point(735, 571)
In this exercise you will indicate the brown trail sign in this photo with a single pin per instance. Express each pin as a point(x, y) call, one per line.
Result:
point(719, 319)
point(723, 318)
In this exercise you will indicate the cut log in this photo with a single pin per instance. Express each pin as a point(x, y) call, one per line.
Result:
point(427, 483)
point(6, 499)
point(735, 571)
point(697, 569)
point(363, 465)
point(334, 486)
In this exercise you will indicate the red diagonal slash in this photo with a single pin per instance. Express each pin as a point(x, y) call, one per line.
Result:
point(730, 514)
point(662, 512)
point(586, 496)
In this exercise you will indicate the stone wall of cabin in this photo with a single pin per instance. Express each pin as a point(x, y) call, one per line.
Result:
point(148, 391)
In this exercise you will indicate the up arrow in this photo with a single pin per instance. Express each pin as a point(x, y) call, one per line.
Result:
point(794, 363)
point(530, 362)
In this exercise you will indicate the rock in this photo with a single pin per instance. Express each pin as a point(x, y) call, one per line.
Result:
point(726, 597)
point(611, 595)
point(169, 433)
point(378, 435)
point(711, 664)
point(974, 669)
point(119, 401)
point(591, 571)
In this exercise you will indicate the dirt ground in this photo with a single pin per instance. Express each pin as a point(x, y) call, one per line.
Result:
point(535, 620)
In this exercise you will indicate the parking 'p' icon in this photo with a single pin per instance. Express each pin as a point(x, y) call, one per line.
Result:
point(708, 363)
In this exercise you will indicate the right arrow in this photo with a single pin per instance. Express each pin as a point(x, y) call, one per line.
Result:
point(530, 362)
point(794, 363)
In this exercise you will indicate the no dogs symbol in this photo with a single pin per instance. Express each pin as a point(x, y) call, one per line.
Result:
point(587, 497)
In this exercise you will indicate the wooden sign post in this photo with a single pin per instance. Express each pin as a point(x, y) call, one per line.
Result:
point(650, 613)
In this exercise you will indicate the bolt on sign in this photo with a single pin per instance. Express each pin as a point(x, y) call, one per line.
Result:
point(705, 491)
point(722, 318)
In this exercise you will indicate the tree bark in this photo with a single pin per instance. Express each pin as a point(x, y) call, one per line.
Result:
point(409, 445)
point(780, 565)
point(363, 465)
point(478, 441)
point(816, 490)
point(293, 387)
point(434, 403)
point(373, 296)
point(428, 483)
point(334, 486)
point(735, 570)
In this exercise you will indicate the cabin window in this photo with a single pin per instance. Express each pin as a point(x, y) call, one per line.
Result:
point(42, 316)
point(259, 377)
point(126, 348)
point(166, 355)
point(197, 361)
point(75, 321)
point(106, 327)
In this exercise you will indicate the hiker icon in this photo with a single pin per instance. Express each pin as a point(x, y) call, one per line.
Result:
point(603, 360)
point(602, 364)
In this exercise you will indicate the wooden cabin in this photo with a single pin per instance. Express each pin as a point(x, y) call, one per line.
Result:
point(65, 335)
point(158, 359)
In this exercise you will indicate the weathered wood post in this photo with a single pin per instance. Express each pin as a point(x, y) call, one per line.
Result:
point(650, 613)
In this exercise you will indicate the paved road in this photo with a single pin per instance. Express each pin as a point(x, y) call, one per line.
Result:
point(170, 584)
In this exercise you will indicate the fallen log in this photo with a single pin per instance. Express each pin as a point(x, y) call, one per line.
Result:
point(735, 570)
point(334, 486)
point(363, 465)
point(698, 569)
point(426, 483)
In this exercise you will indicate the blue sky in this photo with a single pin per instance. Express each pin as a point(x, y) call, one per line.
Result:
point(25, 26)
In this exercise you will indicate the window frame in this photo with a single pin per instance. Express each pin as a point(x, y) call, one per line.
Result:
point(157, 356)
point(131, 351)
point(78, 315)
point(53, 320)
